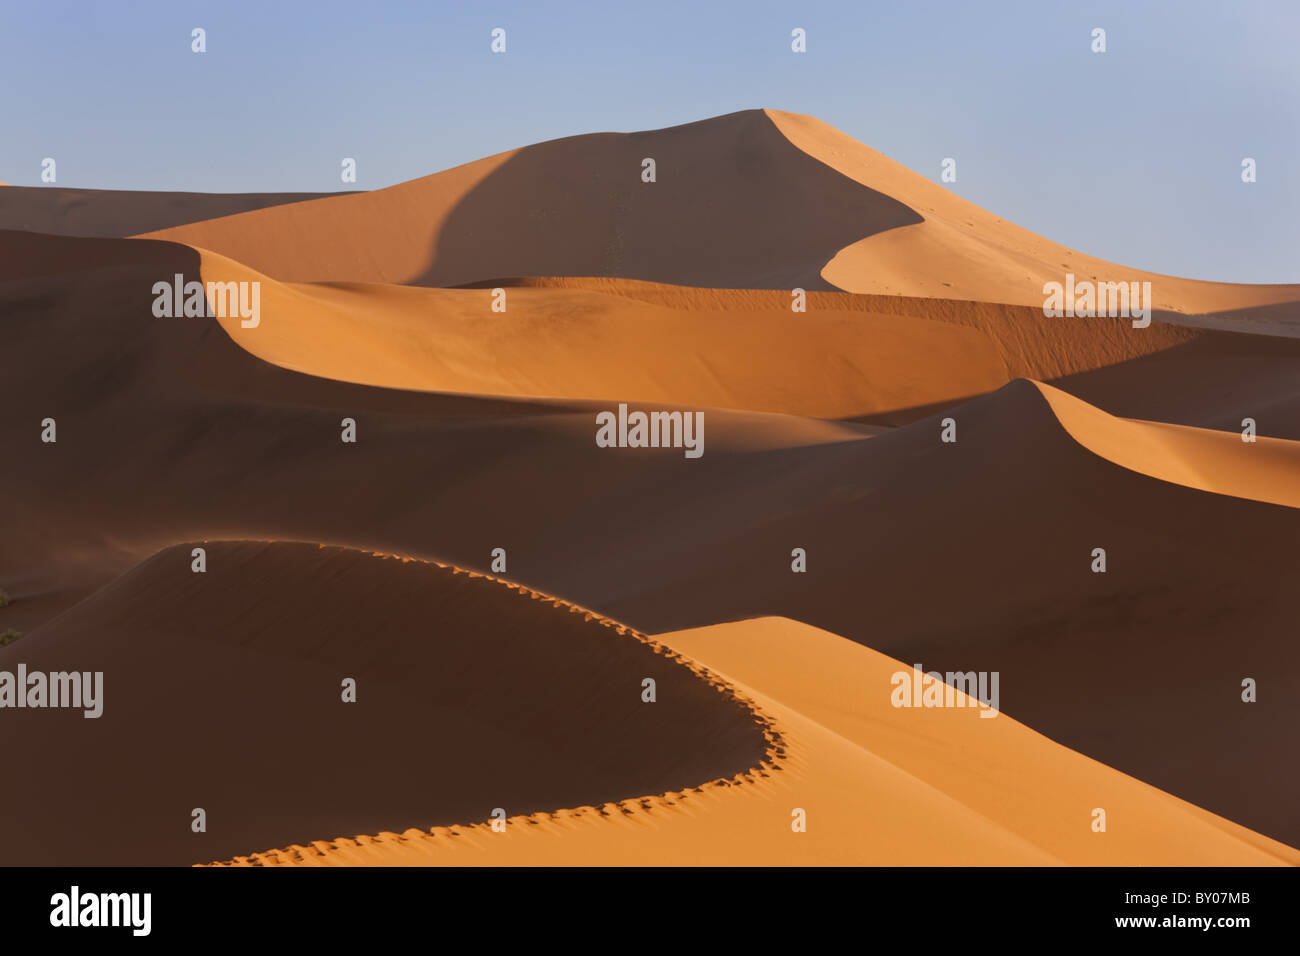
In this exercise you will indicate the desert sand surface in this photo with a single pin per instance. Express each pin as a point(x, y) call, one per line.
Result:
point(471, 694)
point(849, 357)
point(124, 212)
point(1193, 457)
point(822, 432)
point(964, 251)
point(831, 364)
point(877, 787)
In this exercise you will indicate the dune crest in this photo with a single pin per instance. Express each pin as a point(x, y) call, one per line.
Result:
point(878, 786)
point(1267, 469)
point(117, 213)
point(963, 251)
point(471, 693)
point(824, 364)
point(733, 204)
point(760, 199)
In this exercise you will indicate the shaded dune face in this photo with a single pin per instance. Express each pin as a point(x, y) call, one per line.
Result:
point(116, 213)
point(977, 556)
point(734, 204)
point(1213, 381)
point(222, 690)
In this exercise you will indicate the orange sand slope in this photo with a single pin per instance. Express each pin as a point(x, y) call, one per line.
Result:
point(963, 251)
point(756, 199)
point(1266, 469)
point(880, 358)
point(876, 784)
point(589, 345)
point(734, 204)
point(224, 690)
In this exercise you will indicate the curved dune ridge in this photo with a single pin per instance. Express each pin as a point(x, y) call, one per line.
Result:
point(1266, 469)
point(774, 200)
point(828, 364)
point(875, 784)
point(763, 214)
point(963, 251)
point(849, 356)
point(471, 694)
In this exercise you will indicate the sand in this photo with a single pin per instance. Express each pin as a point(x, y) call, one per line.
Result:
point(823, 433)
point(877, 785)
point(964, 251)
point(470, 694)
point(120, 212)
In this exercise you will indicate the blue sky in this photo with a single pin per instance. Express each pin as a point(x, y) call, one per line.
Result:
point(1133, 155)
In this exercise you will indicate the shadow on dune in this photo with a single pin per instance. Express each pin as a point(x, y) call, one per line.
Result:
point(224, 691)
point(1212, 381)
point(734, 204)
point(105, 213)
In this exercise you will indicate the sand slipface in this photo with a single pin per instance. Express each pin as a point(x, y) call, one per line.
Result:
point(476, 430)
point(791, 201)
point(871, 784)
point(763, 214)
point(470, 695)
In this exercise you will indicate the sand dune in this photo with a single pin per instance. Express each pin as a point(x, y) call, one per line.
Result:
point(1267, 469)
point(878, 785)
point(885, 359)
point(760, 199)
point(1212, 381)
point(733, 204)
point(222, 690)
point(827, 364)
point(963, 251)
point(122, 212)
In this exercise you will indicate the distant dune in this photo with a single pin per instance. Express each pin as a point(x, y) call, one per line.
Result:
point(962, 251)
point(761, 214)
point(113, 212)
point(759, 199)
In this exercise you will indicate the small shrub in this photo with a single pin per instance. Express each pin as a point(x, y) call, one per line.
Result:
point(4, 598)
point(8, 636)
